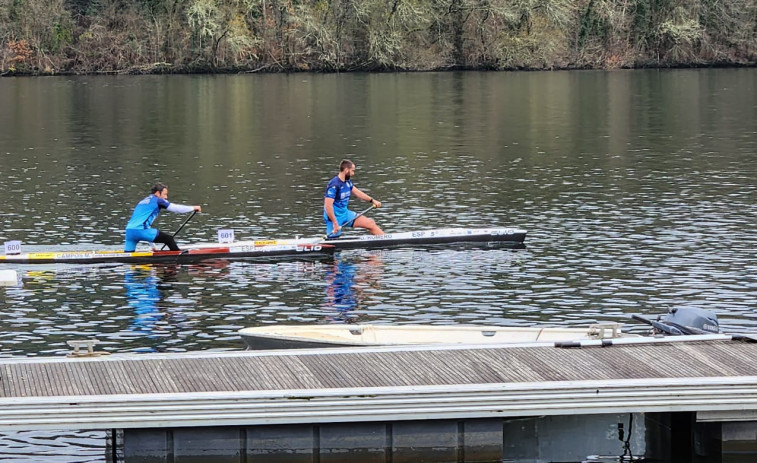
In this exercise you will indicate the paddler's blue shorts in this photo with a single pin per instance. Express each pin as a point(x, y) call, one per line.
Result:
point(135, 235)
point(345, 220)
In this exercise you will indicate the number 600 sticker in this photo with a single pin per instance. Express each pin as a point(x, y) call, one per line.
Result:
point(13, 247)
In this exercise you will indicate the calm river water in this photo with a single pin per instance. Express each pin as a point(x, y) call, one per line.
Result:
point(637, 188)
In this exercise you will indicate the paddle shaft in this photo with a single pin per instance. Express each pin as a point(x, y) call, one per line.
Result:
point(363, 213)
point(353, 220)
point(182, 226)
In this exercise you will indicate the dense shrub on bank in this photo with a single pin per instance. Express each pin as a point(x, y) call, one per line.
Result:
point(150, 36)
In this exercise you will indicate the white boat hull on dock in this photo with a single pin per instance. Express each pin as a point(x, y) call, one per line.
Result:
point(335, 335)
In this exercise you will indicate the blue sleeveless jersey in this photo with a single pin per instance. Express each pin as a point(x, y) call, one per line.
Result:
point(145, 212)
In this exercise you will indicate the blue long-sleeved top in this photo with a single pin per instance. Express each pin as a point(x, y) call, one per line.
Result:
point(148, 209)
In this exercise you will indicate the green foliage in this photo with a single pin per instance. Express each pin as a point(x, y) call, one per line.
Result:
point(593, 25)
point(63, 35)
point(203, 18)
point(344, 35)
point(83, 7)
point(16, 10)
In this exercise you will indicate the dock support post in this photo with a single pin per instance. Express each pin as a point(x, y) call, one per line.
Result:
point(114, 449)
point(739, 440)
point(679, 438)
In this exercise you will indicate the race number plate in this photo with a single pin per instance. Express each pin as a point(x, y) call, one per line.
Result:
point(12, 247)
point(225, 236)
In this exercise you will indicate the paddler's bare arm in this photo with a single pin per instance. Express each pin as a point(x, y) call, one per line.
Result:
point(356, 191)
point(328, 204)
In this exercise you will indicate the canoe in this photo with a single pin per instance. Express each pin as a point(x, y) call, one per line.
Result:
point(684, 323)
point(431, 237)
point(318, 336)
point(186, 256)
point(439, 236)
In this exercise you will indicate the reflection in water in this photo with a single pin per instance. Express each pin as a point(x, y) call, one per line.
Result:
point(159, 308)
point(348, 280)
point(341, 293)
point(144, 296)
point(52, 446)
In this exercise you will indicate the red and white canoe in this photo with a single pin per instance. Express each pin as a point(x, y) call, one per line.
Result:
point(234, 251)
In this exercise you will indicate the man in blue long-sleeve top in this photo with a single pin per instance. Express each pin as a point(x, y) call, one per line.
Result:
point(139, 226)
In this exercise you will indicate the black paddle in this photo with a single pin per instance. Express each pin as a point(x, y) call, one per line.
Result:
point(182, 226)
point(331, 235)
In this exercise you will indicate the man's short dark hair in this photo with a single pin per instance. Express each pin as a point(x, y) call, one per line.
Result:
point(158, 187)
point(346, 164)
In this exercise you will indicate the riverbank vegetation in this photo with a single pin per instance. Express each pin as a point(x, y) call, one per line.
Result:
point(153, 36)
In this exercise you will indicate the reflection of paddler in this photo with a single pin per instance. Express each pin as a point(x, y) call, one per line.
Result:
point(347, 280)
point(340, 291)
point(143, 296)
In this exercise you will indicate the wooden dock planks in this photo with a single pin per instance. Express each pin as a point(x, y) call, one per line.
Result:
point(399, 367)
point(294, 386)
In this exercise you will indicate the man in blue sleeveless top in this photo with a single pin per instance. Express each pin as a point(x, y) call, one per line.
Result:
point(337, 197)
point(138, 229)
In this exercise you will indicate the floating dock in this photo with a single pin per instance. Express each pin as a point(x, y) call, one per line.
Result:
point(149, 401)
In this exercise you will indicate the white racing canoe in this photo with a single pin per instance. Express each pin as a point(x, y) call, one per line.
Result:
point(438, 236)
point(315, 336)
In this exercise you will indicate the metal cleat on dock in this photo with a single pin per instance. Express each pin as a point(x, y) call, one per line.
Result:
point(605, 330)
point(89, 344)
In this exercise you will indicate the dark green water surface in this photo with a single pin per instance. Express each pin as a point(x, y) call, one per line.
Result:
point(637, 189)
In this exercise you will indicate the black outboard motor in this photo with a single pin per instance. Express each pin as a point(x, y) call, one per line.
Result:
point(687, 320)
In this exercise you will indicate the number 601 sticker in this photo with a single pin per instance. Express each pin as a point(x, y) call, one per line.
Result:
point(225, 236)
